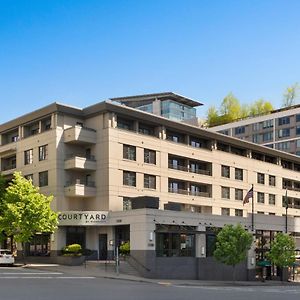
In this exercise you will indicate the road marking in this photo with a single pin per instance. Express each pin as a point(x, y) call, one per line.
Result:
point(47, 277)
point(28, 273)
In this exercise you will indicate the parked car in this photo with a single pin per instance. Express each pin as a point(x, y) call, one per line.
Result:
point(6, 257)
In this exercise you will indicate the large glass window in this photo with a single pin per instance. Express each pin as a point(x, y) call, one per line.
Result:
point(43, 152)
point(238, 174)
point(267, 124)
point(268, 136)
point(126, 203)
point(261, 178)
point(75, 235)
point(272, 199)
point(28, 157)
point(239, 130)
point(170, 244)
point(238, 194)
point(149, 156)
point(225, 211)
point(149, 181)
point(238, 212)
point(284, 132)
point(272, 180)
point(225, 171)
point(129, 178)
point(225, 192)
point(283, 120)
point(260, 197)
point(129, 152)
point(43, 178)
point(39, 245)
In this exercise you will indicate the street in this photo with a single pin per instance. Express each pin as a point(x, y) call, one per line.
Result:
point(28, 284)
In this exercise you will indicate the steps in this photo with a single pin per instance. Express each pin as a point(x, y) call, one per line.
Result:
point(126, 268)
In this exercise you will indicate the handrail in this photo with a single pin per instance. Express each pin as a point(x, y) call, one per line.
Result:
point(139, 263)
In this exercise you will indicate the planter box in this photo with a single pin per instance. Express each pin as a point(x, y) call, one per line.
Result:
point(70, 260)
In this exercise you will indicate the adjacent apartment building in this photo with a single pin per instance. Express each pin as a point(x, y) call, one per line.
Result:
point(279, 130)
point(120, 173)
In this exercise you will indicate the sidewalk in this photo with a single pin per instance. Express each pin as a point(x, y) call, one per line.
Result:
point(101, 270)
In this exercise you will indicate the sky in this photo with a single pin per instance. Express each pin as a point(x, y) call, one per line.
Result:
point(80, 52)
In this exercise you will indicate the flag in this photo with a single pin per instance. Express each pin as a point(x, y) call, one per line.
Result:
point(248, 196)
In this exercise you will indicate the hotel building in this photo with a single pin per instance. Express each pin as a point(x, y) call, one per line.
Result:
point(279, 130)
point(119, 172)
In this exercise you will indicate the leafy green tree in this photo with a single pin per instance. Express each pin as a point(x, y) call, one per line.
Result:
point(260, 107)
point(25, 211)
point(290, 95)
point(2, 193)
point(282, 252)
point(231, 110)
point(232, 245)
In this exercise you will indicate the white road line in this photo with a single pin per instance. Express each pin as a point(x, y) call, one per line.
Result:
point(28, 273)
point(47, 277)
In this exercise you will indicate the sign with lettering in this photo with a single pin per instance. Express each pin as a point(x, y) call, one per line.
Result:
point(82, 218)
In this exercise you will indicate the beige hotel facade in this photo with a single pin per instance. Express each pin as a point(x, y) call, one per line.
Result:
point(121, 174)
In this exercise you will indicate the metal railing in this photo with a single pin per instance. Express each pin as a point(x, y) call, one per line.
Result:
point(190, 193)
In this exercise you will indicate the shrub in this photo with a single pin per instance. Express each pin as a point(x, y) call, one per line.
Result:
point(125, 248)
point(72, 250)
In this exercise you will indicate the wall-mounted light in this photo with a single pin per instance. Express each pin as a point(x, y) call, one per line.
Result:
point(151, 236)
point(111, 242)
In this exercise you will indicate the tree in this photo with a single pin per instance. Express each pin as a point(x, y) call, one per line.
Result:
point(2, 193)
point(282, 252)
point(260, 107)
point(231, 110)
point(290, 95)
point(25, 211)
point(232, 245)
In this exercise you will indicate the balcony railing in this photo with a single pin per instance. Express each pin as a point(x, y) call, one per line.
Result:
point(9, 167)
point(192, 170)
point(190, 193)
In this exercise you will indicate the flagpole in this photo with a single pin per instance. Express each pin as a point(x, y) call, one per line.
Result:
point(252, 225)
point(286, 209)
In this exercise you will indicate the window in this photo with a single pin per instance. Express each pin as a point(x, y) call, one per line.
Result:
point(261, 178)
point(255, 126)
point(260, 197)
point(129, 152)
point(146, 129)
point(283, 146)
point(14, 138)
point(126, 203)
point(238, 194)
point(298, 143)
point(43, 152)
point(29, 177)
point(267, 124)
point(239, 130)
point(28, 157)
point(129, 178)
point(149, 181)
point(284, 120)
point(298, 118)
point(272, 199)
point(272, 180)
point(284, 132)
point(175, 137)
point(256, 138)
point(260, 212)
point(225, 192)
point(238, 174)
point(125, 124)
point(75, 235)
point(238, 212)
point(225, 211)
point(297, 130)
point(43, 178)
point(225, 171)
point(175, 244)
point(268, 136)
point(149, 156)
point(271, 214)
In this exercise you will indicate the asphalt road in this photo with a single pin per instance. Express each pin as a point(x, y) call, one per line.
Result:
point(28, 284)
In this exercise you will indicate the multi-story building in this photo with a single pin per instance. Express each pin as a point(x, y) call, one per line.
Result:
point(118, 173)
point(279, 130)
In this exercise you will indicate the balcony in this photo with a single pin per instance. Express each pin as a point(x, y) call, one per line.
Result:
point(8, 149)
point(80, 189)
point(80, 135)
point(8, 165)
point(79, 162)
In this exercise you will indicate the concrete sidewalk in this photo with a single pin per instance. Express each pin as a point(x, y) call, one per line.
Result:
point(101, 270)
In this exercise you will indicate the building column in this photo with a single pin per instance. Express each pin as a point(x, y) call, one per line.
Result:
point(200, 242)
point(251, 261)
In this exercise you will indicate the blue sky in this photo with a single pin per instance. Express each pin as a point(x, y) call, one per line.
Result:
point(82, 52)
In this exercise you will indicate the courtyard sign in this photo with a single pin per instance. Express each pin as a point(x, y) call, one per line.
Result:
point(82, 218)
